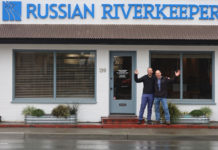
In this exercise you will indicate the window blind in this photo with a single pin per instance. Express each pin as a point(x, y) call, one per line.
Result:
point(75, 75)
point(33, 74)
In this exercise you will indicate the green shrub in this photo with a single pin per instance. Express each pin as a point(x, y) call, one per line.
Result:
point(28, 110)
point(73, 109)
point(173, 110)
point(196, 113)
point(61, 111)
point(38, 112)
point(207, 111)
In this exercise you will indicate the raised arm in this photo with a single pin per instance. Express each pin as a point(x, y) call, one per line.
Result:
point(171, 80)
point(138, 80)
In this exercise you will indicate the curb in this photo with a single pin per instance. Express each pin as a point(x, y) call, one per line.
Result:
point(126, 136)
point(178, 126)
point(71, 136)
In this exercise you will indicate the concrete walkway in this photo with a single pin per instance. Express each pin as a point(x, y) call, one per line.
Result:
point(109, 134)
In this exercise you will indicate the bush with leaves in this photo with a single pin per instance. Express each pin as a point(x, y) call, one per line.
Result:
point(38, 112)
point(28, 110)
point(197, 113)
point(173, 110)
point(207, 111)
point(73, 109)
point(61, 111)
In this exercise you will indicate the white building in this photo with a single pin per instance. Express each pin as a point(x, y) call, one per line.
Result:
point(71, 51)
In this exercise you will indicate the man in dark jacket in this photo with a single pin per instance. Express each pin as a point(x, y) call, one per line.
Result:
point(160, 95)
point(147, 96)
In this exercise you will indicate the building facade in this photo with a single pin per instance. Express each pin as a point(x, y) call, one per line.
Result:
point(85, 52)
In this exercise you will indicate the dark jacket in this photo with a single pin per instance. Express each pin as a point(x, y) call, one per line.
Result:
point(162, 93)
point(148, 83)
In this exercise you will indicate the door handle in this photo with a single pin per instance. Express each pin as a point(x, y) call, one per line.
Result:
point(111, 88)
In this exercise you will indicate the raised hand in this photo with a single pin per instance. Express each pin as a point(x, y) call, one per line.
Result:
point(136, 71)
point(177, 73)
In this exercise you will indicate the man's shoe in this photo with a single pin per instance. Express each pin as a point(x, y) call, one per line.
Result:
point(149, 122)
point(167, 122)
point(140, 122)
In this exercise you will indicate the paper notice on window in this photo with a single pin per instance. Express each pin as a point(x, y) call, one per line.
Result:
point(122, 73)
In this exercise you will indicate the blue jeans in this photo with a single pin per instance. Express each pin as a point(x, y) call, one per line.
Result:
point(146, 99)
point(165, 108)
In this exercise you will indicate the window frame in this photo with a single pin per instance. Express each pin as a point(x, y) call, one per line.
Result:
point(181, 100)
point(53, 100)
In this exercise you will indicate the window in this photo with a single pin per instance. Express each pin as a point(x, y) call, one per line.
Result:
point(195, 82)
point(75, 75)
point(54, 76)
point(197, 76)
point(33, 75)
point(122, 77)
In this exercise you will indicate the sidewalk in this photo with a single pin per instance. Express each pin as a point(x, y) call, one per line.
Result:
point(108, 134)
point(97, 131)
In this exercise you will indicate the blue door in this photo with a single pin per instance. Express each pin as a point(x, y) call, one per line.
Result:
point(122, 84)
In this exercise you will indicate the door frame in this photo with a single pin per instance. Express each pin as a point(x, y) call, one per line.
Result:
point(134, 98)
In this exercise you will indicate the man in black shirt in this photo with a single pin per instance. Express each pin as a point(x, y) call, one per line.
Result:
point(147, 96)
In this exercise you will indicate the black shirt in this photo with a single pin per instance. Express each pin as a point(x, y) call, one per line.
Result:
point(148, 83)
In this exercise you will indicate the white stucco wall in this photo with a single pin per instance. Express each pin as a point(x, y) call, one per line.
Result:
point(89, 112)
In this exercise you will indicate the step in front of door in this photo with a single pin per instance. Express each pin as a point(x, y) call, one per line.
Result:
point(116, 120)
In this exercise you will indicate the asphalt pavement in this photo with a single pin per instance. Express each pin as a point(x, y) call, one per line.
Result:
point(57, 144)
